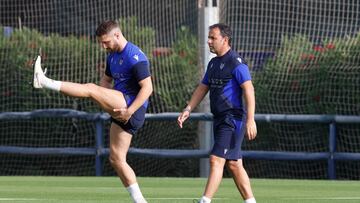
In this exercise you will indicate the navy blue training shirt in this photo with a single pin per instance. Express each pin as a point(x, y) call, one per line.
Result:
point(224, 75)
point(127, 68)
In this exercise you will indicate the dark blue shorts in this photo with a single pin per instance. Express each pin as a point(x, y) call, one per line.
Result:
point(135, 122)
point(228, 136)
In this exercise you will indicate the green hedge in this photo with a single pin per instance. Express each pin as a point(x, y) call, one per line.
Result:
point(307, 78)
point(80, 59)
point(67, 58)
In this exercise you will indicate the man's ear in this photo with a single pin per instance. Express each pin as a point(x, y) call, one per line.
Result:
point(117, 35)
point(226, 39)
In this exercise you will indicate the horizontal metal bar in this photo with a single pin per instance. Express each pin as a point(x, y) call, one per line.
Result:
point(178, 153)
point(70, 113)
point(47, 150)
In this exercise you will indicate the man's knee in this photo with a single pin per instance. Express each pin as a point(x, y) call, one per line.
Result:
point(117, 162)
point(91, 89)
point(233, 165)
point(216, 161)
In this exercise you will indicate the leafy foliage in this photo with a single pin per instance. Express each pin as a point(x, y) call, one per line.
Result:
point(176, 71)
point(79, 59)
point(309, 78)
point(75, 56)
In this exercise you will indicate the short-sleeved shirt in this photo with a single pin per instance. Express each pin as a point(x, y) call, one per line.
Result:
point(127, 68)
point(223, 76)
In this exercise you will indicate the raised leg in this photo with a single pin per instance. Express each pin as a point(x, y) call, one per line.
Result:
point(108, 99)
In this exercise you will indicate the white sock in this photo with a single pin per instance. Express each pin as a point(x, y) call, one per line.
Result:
point(49, 83)
point(135, 193)
point(205, 200)
point(251, 200)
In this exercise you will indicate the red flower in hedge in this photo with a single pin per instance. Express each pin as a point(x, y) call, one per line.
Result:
point(308, 57)
point(311, 57)
point(330, 46)
point(318, 48)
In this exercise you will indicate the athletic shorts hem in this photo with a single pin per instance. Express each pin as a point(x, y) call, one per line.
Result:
point(135, 122)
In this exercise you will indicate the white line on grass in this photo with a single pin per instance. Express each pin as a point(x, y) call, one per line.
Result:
point(154, 198)
point(179, 198)
point(18, 199)
point(322, 198)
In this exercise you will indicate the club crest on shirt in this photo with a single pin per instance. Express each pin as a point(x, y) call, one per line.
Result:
point(121, 61)
point(222, 66)
point(136, 57)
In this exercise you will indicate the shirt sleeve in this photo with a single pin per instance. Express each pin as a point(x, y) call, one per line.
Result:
point(205, 80)
point(107, 68)
point(141, 70)
point(242, 73)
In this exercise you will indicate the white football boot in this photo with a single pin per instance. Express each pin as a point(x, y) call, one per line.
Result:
point(38, 73)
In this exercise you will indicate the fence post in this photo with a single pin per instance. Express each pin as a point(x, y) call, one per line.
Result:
point(99, 144)
point(208, 15)
point(332, 149)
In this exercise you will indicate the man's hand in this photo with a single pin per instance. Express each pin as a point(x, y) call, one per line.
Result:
point(251, 130)
point(183, 116)
point(123, 115)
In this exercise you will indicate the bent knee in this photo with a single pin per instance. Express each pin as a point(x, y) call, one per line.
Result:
point(92, 86)
point(116, 161)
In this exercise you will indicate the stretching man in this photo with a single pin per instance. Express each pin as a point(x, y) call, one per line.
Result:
point(127, 102)
point(228, 79)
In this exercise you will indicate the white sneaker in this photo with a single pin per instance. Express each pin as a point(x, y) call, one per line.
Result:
point(37, 72)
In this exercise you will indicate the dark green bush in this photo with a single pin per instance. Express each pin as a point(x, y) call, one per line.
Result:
point(67, 58)
point(307, 78)
point(176, 71)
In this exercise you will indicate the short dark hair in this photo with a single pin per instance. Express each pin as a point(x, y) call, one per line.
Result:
point(225, 30)
point(105, 27)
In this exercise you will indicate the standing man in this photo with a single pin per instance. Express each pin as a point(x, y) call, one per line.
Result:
point(127, 102)
point(228, 79)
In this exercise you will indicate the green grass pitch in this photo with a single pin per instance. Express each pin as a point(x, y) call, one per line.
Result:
point(21, 189)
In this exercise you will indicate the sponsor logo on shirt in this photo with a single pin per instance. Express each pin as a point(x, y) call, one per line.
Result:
point(218, 82)
point(136, 57)
point(119, 76)
point(239, 59)
point(116, 75)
